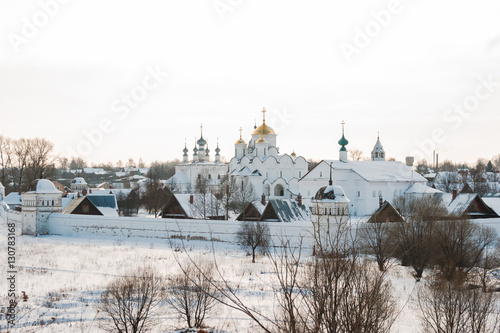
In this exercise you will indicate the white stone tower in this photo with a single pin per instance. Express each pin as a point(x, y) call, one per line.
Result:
point(240, 147)
point(343, 142)
point(378, 153)
point(38, 205)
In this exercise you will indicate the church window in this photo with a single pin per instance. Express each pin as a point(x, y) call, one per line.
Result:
point(279, 191)
point(199, 176)
point(326, 211)
point(300, 174)
point(281, 173)
point(267, 174)
point(382, 155)
point(359, 194)
point(243, 151)
point(374, 194)
point(52, 202)
point(321, 174)
point(43, 203)
point(379, 193)
point(209, 176)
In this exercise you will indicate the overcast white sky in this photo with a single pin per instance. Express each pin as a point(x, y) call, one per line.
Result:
point(227, 59)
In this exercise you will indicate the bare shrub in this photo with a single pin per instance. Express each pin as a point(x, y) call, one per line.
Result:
point(380, 241)
point(192, 294)
point(254, 236)
point(416, 238)
point(334, 291)
point(446, 307)
point(131, 301)
point(460, 246)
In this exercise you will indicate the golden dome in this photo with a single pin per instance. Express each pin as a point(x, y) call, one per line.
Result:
point(293, 154)
point(240, 141)
point(263, 129)
point(261, 140)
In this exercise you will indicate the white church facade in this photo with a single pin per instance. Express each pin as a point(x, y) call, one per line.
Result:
point(364, 182)
point(272, 174)
point(199, 168)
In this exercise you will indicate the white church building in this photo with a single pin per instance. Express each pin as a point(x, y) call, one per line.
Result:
point(201, 166)
point(364, 182)
point(272, 174)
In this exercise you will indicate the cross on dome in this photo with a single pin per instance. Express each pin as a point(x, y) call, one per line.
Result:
point(264, 114)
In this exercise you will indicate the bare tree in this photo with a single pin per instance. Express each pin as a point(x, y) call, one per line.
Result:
point(380, 241)
point(21, 152)
point(77, 163)
point(286, 265)
point(131, 301)
point(41, 162)
point(154, 197)
point(227, 190)
point(447, 308)
point(254, 236)
point(6, 159)
point(340, 293)
point(356, 154)
point(416, 237)
point(191, 293)
point(244, 194)
point(460, 246)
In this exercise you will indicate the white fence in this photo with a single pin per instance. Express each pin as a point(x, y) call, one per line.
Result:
point(12, 216)
point(74, 225)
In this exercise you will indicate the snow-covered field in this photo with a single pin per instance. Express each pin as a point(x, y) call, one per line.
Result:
point(63, 278)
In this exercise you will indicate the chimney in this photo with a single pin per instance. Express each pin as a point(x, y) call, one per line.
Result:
point(191, 199)
point(20, 190)
point(90, 190)
point(299, 199)
point(454, 194)
point(380, 202)
point(84, 192)
point(263, 200)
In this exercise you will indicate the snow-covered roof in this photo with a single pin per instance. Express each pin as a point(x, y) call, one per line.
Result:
point(46, 186)
point(191, 208)
point(419, 188)
point(65, 202)
point(331, 193)
point(288, 210)
point(179, 178)
point(79, 181)
point(493, 203)
point(12, 199)
point(379, 171)
point(459, 204)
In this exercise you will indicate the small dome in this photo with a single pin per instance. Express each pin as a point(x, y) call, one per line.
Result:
point(240, 141)
point(201, 141)
point(293, 154)
point(46, 186)
point(343, 141)
point(331, 193)
point(261, 140)
point(78, 181)
point(263, 130)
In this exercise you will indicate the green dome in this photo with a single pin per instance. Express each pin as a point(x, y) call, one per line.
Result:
point(343, 142)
